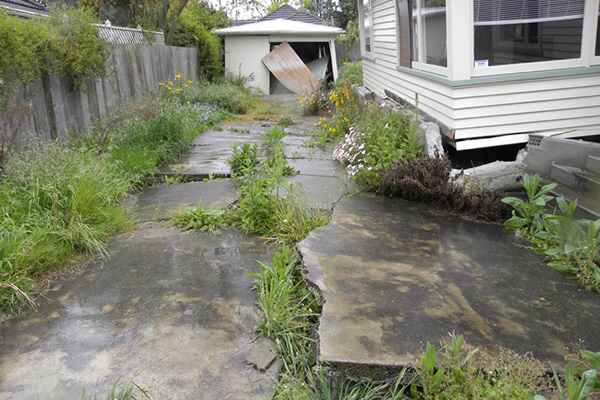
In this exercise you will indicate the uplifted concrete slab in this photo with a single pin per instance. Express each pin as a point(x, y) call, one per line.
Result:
point(163, 201)
point(395, 275)
point(172, 311)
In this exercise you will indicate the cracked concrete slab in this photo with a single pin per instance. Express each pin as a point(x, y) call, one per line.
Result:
point(395, 275)
point(172, 311)
point(319, 191)
point(163, 201)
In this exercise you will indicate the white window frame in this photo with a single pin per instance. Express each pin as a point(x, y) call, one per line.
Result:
point(362, 15)
point(593, 25)
point(420, 64)
point(587, 49)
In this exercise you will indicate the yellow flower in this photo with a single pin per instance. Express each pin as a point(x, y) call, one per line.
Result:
point(178, 76)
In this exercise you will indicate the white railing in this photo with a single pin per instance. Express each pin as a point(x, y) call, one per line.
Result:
point(129, 36)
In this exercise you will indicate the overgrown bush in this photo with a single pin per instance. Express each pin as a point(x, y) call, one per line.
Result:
point(65, 44)
point(429, 180)
point(379, 139)
point(571, 245)
point(188, 32)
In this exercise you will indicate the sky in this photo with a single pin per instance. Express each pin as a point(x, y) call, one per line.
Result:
point(245, 9)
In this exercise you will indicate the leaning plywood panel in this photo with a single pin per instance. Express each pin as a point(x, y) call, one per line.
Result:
point(289, 69)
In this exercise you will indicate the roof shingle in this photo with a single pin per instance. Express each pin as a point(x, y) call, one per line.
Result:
point(290, 13)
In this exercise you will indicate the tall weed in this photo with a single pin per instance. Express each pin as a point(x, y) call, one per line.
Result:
point(54, 202)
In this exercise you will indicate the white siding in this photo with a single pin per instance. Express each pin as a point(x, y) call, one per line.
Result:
point(489, 109)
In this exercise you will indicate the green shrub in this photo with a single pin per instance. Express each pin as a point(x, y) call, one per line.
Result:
point(570, 245)
point(65, 44)
point(187, 32)
point(380, 139)
point(193, 28)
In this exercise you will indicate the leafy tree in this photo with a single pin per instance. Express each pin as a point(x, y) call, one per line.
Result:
point(193, 28)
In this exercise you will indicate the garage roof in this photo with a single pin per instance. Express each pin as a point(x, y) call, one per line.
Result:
point(288, 12)
point(278, 27)
point(285, 20)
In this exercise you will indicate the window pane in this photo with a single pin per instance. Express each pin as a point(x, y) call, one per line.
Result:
point(366, 9)
point(522, 31)
point(433, 19)
point(415, 32)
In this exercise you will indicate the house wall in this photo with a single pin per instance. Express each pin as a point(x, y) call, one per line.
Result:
point(243, 55)
point(504, 109)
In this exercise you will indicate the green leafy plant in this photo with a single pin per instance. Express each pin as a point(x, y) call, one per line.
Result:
point(381, 138)
point(244, 160)
point(67, 43)
point(528, 215)
point(202, 219)
point(570, 245)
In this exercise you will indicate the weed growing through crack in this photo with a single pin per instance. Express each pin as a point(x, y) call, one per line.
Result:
point(129, 391)
point(285, 122)
point(202, 219)
point(244, 160)
point(268, 205)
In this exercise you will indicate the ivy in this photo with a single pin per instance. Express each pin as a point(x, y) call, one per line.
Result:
point(66, 44)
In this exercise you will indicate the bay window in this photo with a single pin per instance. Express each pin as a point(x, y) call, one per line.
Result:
point(524, 31)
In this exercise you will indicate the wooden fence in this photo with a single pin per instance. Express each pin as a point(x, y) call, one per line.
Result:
point(50, 108)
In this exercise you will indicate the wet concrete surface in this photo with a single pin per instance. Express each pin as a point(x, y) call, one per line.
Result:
point(172, 311)
point(212, 149)
point(395, 275)
point(163, 201)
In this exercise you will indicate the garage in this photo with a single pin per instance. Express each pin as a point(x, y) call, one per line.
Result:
point(286, 51)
